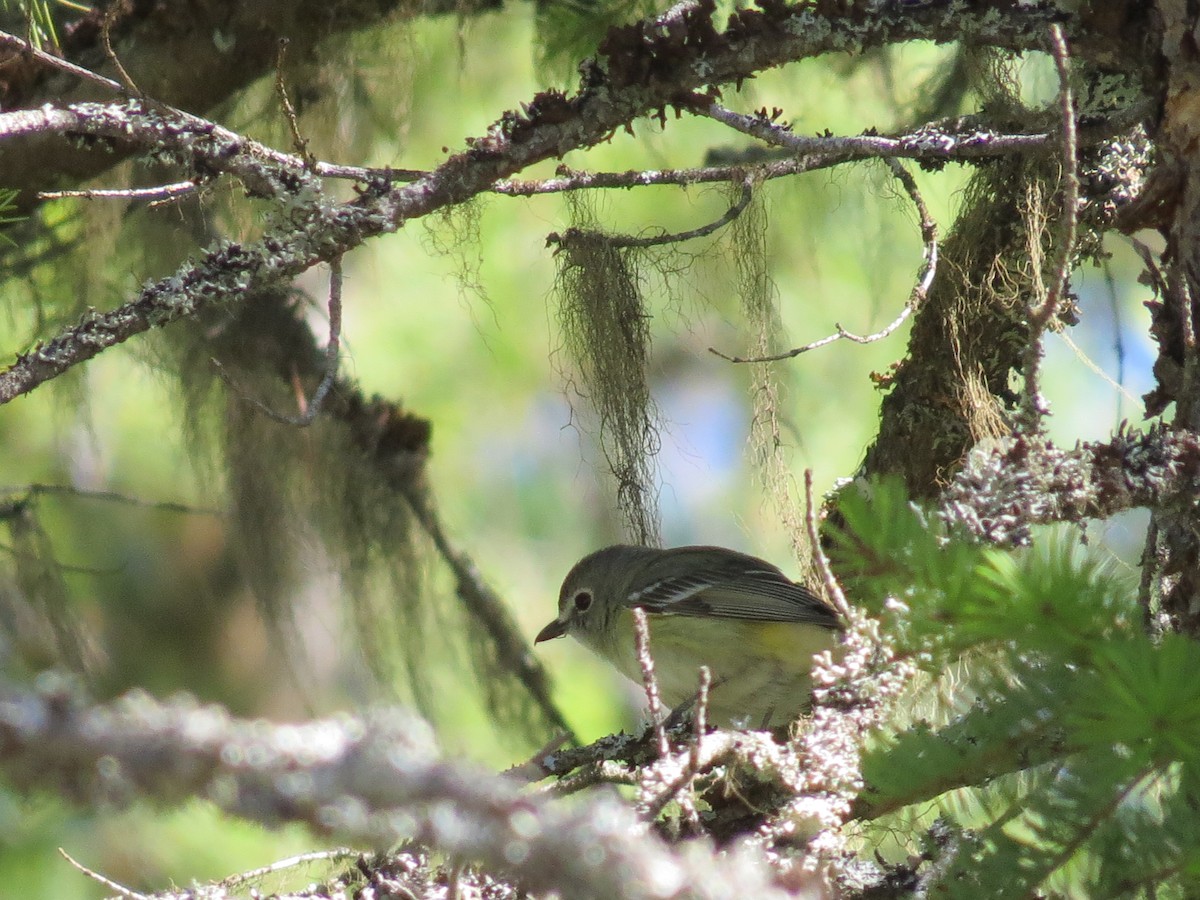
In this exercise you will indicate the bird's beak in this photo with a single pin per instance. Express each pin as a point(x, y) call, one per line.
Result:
point(554, 630)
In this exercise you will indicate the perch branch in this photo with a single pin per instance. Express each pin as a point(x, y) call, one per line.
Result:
point(377, 778)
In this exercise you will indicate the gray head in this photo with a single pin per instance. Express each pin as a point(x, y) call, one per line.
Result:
point(595, 589)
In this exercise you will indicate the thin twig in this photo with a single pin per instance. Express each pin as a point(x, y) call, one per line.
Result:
point(41, 489)
point(917, 296)
point(311, 408)
point(630, 242)
point(710, 750)
point(1032, 404)
point(700, 715)
point(683, 782)
point(299, 142)
point(929, 143)
point(338, 853)
point(158, 192)
point(641, 638)
point(107, 882)
point(110, 16)
point(833, 590)
point(699, 728)
point(959, 140)
point(56, 62)
point(1070, 180)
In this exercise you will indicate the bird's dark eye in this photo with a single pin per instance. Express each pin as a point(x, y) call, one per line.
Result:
point(583, 600)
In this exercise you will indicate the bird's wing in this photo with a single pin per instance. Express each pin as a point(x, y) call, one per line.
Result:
point(756, 594)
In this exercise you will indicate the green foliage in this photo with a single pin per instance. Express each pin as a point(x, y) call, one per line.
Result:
point(1080, 737)
point(38, 17)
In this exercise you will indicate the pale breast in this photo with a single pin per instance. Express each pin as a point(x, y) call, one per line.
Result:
point(760, 670)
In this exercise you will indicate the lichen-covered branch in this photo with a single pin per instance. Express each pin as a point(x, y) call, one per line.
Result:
point(377, 779)
point(647, 67)
point(1006, 489)
point(194, 58)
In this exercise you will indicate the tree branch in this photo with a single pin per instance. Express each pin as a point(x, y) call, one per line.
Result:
point(375, 779)
point(1002, 492)
point(550, 125)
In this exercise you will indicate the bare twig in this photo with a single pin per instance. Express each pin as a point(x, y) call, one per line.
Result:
point(299, 142)
point(107, 882)
point(57, 62)
point(919, 292)
point(641, 639)
point(335, 855)
point(930, 143)
point(677, 773)
point(833, 590)
point(963, 139)
point(700, 715)
point(699, 729)
point(158, 192)
point(65, 490)
point(110, 17)
point(1032, 404)
point(311, 408)
point(695, 763)
point(630, 242)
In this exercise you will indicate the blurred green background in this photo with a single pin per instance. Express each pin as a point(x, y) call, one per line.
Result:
point(455, 317)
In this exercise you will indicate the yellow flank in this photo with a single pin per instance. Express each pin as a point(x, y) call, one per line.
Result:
point(760, 669)
point(783, 640)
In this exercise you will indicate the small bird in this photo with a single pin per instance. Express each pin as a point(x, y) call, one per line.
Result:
point(754, 627)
